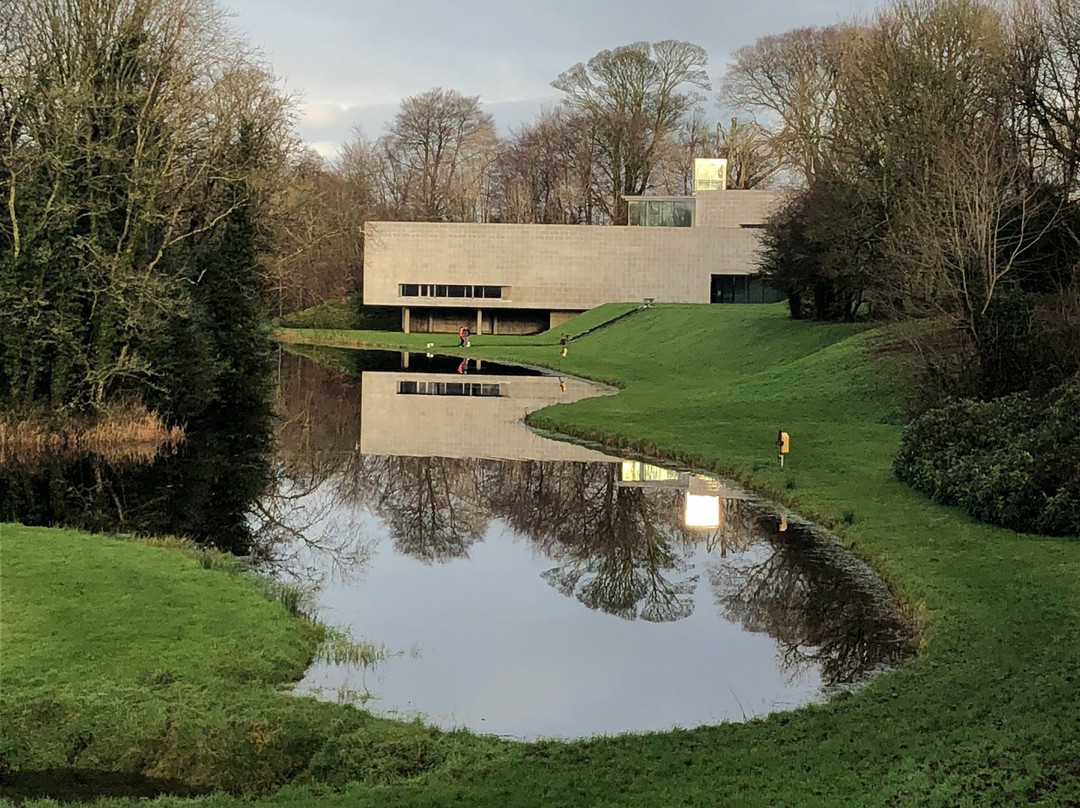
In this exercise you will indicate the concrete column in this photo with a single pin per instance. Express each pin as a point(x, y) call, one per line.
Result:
point(479, 321)
point(405, 319)
point(405, 360)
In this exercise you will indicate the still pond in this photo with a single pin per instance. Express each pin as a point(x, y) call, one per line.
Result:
point(534, 588)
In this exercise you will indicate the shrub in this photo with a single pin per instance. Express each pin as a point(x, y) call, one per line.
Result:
point(333, 314)
point(1013, 461)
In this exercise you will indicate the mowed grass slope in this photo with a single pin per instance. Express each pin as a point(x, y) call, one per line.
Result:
point(170, 662)
point(988, 714)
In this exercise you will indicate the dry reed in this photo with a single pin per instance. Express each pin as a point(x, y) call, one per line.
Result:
point(129, 434)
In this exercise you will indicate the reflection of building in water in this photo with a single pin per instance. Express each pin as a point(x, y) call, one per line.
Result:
point(705, 497)
point(416, 388)
point(440, 415)
point(479, 415)
point(623, 537)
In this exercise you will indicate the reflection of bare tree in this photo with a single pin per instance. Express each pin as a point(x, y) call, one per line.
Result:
point(304, 518)
point(615, 544)
point(430, 504)
point(617, 548)
point(823, 607)
point(305, 533)
point(318, 414)
point(737, 531)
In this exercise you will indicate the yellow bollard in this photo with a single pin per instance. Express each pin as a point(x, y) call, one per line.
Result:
point(783, 446)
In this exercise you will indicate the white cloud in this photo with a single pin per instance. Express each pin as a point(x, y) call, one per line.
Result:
point(323, 115)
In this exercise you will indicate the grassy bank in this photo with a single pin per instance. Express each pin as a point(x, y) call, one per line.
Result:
point(989, 714)
point(169, 667)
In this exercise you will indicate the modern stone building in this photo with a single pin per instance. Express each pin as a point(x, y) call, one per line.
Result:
point(524, 278)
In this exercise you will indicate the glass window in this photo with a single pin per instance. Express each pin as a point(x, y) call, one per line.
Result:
point(634, 471)
point(743, 289)
point(448, 290)
point(740, 289)
point(710, 174)
point(478, 389)
point(661, 212)
point(656, 214)
point(682, 214)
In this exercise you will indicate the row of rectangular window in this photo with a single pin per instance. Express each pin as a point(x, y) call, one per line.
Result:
point(448, 290)
point(448, 389)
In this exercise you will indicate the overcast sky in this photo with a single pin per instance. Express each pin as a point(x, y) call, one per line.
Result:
point(353, 61)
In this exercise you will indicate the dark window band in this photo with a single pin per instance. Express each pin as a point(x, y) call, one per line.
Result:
point(448, 389)
point(448, 290)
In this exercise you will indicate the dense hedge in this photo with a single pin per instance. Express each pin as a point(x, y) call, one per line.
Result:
point(1013, 461)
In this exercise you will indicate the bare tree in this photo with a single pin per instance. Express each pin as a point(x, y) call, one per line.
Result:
point(435, 156)
point(789, 84)
point(965, 233)
point(635, 96)
point(694, 137)
point(128, 126)
point(924, 74)
point(1046, 52)
point(748, 148)
point(546, 173)
point(753, 159)
point(315, 228)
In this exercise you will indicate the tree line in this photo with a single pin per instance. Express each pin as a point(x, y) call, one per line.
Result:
point(140, 141)
point(157, 205)
point(936, 149)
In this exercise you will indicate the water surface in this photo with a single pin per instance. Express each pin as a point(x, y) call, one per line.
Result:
point(534, 588)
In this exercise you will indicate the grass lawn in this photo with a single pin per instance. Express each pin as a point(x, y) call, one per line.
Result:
point(988, 714)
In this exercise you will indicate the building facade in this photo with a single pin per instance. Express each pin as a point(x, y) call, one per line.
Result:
point(524, 278)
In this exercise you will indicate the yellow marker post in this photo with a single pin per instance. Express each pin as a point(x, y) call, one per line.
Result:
point(783, 446)
point(564, 351)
